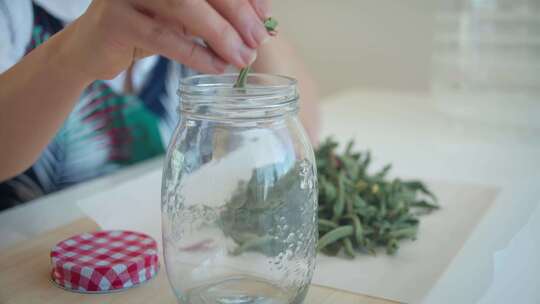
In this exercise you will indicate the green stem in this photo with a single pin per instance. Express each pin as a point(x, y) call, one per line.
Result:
point(242, 77)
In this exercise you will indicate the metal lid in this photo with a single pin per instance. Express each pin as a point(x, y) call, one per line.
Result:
point(104, 261)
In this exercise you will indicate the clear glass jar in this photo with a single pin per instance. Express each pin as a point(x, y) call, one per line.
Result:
point(239, 194)
point(486, 61)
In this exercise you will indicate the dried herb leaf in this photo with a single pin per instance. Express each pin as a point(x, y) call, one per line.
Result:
point(334, 235)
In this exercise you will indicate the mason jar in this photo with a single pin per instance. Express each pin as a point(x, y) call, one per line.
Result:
point(239, 193)
point(486, 61)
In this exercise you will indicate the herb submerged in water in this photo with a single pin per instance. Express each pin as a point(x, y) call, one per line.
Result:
point(251, 216)
point(359, 212)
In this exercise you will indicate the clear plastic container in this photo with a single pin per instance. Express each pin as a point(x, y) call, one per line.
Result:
point(486, 60)
point(239, 194)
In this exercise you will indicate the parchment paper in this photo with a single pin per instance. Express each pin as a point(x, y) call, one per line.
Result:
point(409, 275)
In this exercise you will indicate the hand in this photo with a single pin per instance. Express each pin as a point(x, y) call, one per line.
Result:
point(113, 33)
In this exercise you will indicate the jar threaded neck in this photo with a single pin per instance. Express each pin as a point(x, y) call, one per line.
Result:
point(214, 97)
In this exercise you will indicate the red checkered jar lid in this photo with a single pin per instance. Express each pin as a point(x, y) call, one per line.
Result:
point(104, 261)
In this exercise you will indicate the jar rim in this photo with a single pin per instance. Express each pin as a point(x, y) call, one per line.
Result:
point(194, 80)
point(215, 97)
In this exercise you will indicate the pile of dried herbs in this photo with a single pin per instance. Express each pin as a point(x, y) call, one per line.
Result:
point(359, 211)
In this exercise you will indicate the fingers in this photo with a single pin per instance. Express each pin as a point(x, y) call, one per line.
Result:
point(232, 29)
point(243, 17)
point(262, 7)
point(200, 19)
point(153, 36)
point(204, 21)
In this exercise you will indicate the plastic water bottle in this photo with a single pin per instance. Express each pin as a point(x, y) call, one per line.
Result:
point(486, 61)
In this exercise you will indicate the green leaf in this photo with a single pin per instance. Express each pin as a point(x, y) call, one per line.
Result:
point(417, 185)
point(327, 225)
point(425, 205)
point(357, 224)
point(350, 145)
point(340, 203)
point(270, 24)
point(349, 250)
point(408, 233)
point(253, 243)
point(392, 246)
point(334, 236)
point(384, 171)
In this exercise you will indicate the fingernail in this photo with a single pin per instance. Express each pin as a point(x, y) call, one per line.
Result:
point(253, 58)
point(260, 34)
point(247, 55)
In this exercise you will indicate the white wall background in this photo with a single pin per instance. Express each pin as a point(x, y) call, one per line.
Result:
point(382, 44)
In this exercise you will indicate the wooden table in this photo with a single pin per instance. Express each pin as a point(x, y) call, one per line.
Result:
point(25, 278)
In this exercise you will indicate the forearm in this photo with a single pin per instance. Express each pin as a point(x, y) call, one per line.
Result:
point(36, 95)
point(278, 57)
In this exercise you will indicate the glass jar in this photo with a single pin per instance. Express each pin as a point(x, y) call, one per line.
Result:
point(239, 194)
point(486, 61)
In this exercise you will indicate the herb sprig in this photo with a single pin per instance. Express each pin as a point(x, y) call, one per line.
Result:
point(270, 24)
point(359, 211)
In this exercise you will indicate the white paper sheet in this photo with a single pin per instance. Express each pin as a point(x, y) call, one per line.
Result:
point(406, 277)
point(133, 205)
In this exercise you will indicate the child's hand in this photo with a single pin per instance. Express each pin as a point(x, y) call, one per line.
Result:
point(113, 33)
